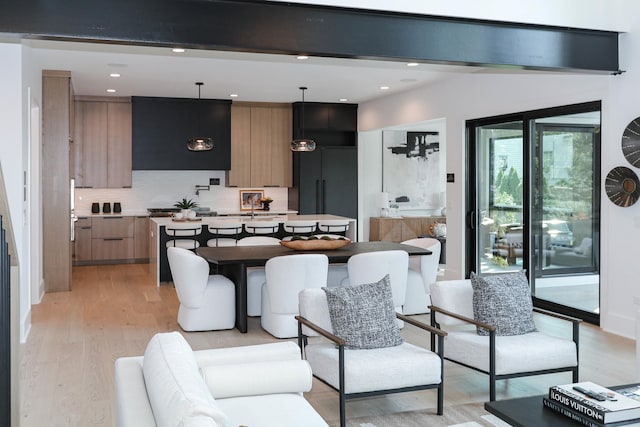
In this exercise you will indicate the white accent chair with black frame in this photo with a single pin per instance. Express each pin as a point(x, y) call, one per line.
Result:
point(493, 331)
point(184, 235)
point(423, 271)
point(350, 337)
point(298, 228)
point(225, 232)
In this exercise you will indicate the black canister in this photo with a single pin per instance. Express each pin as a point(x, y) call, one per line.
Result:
point(106, 207)
point(95, 207)
point(117, 208)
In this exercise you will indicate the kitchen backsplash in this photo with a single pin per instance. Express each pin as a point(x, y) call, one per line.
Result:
point(161, 189)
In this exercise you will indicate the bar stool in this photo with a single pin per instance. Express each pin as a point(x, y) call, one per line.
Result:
point(256, 275)
point(224, 227)
point(184, 235)
point(333, 226)
point(298, 228)
point(262, 227)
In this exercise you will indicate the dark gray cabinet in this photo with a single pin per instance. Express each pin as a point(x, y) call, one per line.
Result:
point(162, 126)
point(327, 181)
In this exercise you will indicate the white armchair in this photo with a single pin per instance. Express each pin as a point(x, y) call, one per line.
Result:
point(423, 271)
point(366, 372)
point(286, 277)
point(500, 357)
point(206, 302)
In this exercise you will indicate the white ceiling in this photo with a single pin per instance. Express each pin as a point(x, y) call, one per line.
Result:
point(157, 71)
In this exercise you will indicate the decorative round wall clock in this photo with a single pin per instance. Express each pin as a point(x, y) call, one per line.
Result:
point(631, 142)
point(622, 186)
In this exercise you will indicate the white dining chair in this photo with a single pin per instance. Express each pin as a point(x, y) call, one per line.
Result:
point(207, 302)
point(286, 277)
point(370, 267)
point(255, 275)
point(184, 235)
point(231, 229)
point(423, 271)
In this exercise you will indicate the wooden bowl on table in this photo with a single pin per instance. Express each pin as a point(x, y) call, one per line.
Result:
point(316, 244)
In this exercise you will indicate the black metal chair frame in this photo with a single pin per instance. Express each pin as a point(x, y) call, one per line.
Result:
point(215, 231)
point(340, 343)
point(493, 377)
point(176, 237)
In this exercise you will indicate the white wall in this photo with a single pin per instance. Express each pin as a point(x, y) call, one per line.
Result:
point(484, 94)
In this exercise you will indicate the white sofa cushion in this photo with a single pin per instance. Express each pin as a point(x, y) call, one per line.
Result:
point(176, 390)
point(272, 410)
point(258, 378)
point(285, 350)
point(455, 296)
point(517, 353)
point(378, 369)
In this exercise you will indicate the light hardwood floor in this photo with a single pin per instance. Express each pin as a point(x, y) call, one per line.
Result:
point(113, 311)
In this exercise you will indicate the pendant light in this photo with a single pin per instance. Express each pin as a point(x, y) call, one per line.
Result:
point(303, 144)
point(199, 143)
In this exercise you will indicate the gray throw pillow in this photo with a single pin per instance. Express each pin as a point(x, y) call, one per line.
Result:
point(363, 315)
point(504, 301)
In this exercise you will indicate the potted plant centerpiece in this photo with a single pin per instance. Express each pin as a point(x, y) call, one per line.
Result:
point(186, 206)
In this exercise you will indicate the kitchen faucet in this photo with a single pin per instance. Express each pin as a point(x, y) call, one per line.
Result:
point(202, 187)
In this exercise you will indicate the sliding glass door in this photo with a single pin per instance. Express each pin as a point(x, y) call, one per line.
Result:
point(534, 203)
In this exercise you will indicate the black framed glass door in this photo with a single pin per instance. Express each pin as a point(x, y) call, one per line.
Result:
point(534, 198)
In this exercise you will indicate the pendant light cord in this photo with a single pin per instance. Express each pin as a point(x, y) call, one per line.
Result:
point(199, 107)
point(302, 121)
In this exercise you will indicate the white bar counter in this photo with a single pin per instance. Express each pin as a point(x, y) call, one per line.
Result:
point(157, 253)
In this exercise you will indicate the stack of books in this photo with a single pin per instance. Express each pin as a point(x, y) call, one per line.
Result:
point(596, 406)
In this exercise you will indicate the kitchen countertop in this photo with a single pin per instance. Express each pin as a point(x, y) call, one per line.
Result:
point(273, 217)
point(85, 214)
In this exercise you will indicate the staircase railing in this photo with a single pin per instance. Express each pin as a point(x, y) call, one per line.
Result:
point(9, 329)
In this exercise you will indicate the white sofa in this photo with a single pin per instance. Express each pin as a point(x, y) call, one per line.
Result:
point(256, 386)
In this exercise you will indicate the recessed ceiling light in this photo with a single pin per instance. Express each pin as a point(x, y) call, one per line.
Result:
point(384, 87)
point(114, 75)
point(343, 99)
point(412, 64)
point(111, 90)
point(233, 95)
point(177, 50)
point(302, 57)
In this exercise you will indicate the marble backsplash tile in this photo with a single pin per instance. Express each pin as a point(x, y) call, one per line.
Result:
point(161, 189)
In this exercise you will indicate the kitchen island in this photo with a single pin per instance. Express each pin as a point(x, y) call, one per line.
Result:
point(159, 265)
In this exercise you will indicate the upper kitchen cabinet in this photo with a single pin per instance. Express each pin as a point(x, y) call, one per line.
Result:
point(162, 126)
point(103, 142)
point(260, 138)
point(331, 124)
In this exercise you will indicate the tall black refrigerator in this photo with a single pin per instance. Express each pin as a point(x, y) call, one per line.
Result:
point(326, 181)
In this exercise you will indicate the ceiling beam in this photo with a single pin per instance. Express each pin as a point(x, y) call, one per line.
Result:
point(286, 28)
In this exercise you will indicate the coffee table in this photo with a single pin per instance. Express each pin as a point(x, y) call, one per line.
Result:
point(530, 411)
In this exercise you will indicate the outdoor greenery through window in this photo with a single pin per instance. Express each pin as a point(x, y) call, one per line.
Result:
point(535, 189)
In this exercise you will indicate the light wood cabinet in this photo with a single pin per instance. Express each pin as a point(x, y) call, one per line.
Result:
point(260, 138)
point(401, 229)
point(103, 142)
point(112, 238)
point(82, 243)
point(57, 136)
point(141, 238)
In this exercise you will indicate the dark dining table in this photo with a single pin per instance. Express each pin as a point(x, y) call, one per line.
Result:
point(233, 262)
